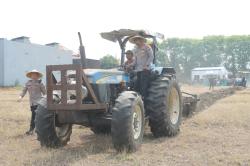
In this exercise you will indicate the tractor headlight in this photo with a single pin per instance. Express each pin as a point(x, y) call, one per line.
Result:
point(56, 97)
point(84, 92)
point(72, 94)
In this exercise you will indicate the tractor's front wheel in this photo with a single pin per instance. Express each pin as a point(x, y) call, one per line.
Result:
point(48, 133)
point(127, 126)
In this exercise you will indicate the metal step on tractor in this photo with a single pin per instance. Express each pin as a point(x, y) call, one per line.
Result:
point(105, 100)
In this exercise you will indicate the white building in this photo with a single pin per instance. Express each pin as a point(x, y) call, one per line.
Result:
point(19, 55)
point(201, 73)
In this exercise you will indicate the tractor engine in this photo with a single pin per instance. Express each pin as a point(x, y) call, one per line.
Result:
point(107, 84)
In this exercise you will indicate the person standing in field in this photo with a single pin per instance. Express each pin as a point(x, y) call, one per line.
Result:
point(143, 60)
point(212, 83)
point(36, 90)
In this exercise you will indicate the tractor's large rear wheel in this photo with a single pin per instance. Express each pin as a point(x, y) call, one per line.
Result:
point(164, 106)
point(127, 126)
point(49, 134)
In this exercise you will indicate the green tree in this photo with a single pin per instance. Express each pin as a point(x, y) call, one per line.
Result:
point(213, 50)
point(162, 59)
point(243, 53)
point(182, 54)
point(231, 47)
point(108, 62)
point(191, 57)
point(185, 54)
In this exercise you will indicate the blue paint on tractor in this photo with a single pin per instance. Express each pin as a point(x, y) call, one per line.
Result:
point(115, 76)
point(103, 76)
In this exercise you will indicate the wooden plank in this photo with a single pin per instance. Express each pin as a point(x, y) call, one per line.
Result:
point(77, 107)
point(81, 79)
point(63, 67)
point(79, 86)
point(64, 86)
point(60, 87)
point(49, 86)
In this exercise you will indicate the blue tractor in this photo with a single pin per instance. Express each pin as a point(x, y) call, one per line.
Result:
point(107, 102)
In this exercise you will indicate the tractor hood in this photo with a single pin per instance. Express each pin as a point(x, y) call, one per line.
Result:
point(119, 34)
point(106, 76)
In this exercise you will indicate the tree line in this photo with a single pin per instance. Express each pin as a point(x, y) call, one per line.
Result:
point(108, 62)
point(233, 52)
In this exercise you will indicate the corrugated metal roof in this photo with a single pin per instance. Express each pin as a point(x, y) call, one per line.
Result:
point(20, 38)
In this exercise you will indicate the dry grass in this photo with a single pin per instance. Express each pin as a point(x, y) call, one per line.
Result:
point(218, 136)
point(197, 89)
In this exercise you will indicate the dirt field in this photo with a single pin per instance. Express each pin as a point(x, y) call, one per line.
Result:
point(198, 89)
point(219, 135)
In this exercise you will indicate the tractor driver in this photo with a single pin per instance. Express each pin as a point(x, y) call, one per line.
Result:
point(143, 60)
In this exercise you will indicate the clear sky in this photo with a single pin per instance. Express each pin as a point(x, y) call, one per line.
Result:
point(48, 21)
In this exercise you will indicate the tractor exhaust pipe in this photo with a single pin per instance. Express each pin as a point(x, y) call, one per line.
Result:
point(82, 52)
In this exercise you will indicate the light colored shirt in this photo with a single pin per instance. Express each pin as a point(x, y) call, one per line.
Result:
point(143, 58)
point(36, 89)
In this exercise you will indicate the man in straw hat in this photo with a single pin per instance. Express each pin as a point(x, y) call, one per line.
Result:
point(143, 60)
point(36, 89)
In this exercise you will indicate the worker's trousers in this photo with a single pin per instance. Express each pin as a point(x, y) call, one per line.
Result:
point(142, 82)
point(33, 116)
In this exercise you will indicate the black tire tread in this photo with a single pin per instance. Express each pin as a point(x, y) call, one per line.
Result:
point(122, 134)
point(45, 129)
point(157, 108)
